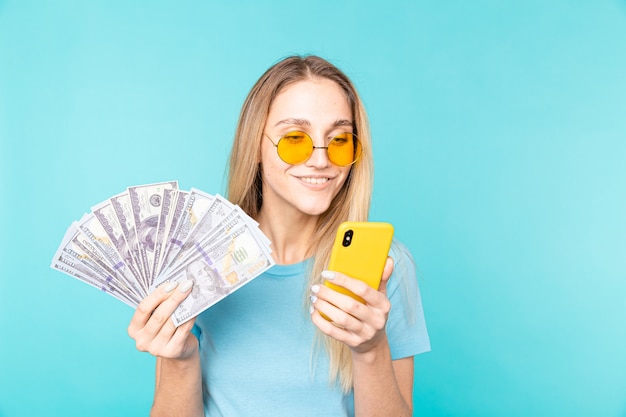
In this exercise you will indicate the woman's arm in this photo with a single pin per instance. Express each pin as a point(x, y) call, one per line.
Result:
point(178, 387)
point(178, 390)
point(382, 387)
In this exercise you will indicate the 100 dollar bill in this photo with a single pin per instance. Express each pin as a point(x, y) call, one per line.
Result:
point(232, 262)
point(135, 240)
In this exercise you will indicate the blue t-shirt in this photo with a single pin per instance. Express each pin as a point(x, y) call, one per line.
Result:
point(256, 344)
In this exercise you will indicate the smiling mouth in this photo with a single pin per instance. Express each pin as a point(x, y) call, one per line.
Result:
point(310, 180)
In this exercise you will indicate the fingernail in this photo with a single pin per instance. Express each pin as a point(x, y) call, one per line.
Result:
point(315, 289)
point(311, 309)
point(169, 287)
point(185, 286)
point(313, 299)
point(328, 274)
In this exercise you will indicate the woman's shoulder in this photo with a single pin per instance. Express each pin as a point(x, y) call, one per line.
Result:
point(406, 327)
point(404, 275)
point(401, 255)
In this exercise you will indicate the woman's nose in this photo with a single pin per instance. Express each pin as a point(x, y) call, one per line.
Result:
point(319, 157)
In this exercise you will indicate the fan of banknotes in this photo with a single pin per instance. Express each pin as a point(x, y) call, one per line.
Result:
point(149, 234)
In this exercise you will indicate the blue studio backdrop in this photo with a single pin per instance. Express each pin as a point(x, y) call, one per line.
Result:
point(500, 148)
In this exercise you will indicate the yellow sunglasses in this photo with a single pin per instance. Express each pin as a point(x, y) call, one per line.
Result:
point(297, 147)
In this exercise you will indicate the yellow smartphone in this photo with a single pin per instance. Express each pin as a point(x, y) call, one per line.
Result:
point(360, 251)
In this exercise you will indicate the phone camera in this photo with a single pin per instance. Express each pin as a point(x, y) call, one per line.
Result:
point(347, 237)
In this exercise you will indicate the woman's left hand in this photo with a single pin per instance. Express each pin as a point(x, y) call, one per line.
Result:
point(360, 326)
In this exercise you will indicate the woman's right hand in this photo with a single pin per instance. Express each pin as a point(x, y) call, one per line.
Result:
point(154, 331)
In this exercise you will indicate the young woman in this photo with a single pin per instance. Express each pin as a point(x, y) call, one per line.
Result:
point(266, 350)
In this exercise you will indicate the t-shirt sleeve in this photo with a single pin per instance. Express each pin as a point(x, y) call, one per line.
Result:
point(406, 325)
point(197, 331)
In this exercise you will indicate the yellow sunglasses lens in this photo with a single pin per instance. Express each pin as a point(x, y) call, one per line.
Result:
point(295, 147)
point(344, 149)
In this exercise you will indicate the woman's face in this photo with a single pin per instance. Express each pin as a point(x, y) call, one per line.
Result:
point(320, 108)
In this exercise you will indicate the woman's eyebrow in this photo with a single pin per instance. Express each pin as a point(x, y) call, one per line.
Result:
point(305, 122)
point(343, 122)
point(294, 122)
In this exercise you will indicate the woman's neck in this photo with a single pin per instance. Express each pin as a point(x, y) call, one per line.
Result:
point(291, 235)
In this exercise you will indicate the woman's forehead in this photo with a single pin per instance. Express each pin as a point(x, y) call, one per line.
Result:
point(311, 101)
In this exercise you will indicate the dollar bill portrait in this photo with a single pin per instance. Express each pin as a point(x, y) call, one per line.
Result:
point(207, 285)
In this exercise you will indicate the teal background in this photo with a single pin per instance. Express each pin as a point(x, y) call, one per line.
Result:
point(500, 146)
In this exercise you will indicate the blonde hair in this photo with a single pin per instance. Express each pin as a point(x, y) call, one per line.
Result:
point(351, 203)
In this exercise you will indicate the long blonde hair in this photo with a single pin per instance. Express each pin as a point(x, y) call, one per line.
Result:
point(351, 203)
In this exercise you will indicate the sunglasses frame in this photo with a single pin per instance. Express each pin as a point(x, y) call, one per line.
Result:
point(313, 147)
